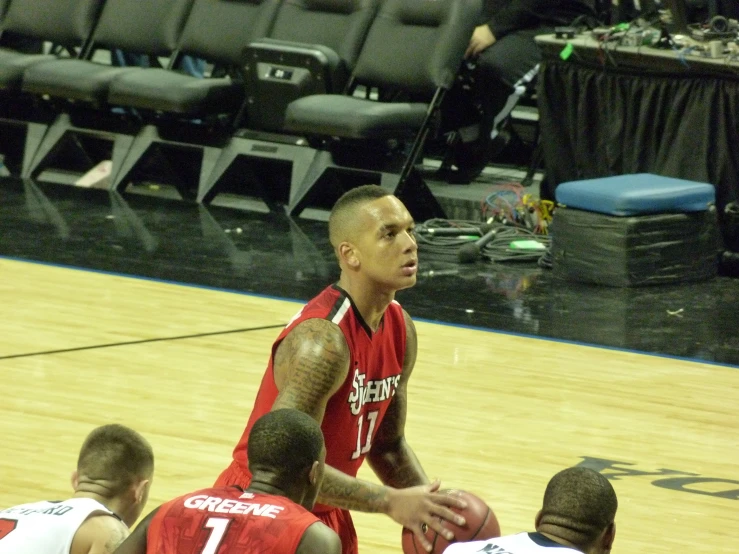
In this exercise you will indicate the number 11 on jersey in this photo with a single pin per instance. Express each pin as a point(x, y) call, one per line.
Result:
point(364, 438)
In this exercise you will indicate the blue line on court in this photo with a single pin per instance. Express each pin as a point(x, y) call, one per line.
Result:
point(152, 279)
point(445, 323)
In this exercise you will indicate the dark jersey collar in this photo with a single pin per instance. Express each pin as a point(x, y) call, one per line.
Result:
point(357, 314)
point(542, 540)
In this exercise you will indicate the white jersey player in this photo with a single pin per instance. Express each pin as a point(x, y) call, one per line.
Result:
point(577, 516)
point(55, 527)
point(111, 486)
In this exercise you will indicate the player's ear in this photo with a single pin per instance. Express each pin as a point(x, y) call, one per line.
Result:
point(75, 479)
point(141, 491)
point(313, 473)
point(609, 535)
point(348, 255)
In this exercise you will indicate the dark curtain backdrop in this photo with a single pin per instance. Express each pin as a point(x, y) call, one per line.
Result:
point(597, 122)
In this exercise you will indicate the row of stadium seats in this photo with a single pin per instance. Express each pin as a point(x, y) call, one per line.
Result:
point(285, 85)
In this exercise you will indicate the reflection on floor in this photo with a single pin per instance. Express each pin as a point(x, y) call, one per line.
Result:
point(269, 253)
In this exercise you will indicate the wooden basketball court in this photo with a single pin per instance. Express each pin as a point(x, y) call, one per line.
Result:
point(491, 413)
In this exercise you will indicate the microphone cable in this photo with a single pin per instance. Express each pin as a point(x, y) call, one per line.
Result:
point(510, 243)
point(445, 245)
point(515, 244)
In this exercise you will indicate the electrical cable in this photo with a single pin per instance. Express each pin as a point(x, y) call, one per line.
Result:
point(511, 243)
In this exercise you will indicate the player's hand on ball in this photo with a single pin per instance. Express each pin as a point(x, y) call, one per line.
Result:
point(418, 507)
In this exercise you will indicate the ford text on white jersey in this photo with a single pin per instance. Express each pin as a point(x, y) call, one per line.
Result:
point(45, 527)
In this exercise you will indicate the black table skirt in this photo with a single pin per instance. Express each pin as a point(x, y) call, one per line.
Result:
point(600, 121)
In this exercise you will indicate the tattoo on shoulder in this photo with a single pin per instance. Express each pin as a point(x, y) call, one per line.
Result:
point(315, 359)
point(118, 534)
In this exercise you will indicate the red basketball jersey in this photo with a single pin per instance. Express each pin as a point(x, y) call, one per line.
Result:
point(354, 414)
point(222, 520)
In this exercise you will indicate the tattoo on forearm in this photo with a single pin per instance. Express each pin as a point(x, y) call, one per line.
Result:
point(391, 458)
point(342, 491)
point(399, 467)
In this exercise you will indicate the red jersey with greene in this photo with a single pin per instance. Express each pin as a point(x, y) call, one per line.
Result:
point(354, 414)
point(220, 520)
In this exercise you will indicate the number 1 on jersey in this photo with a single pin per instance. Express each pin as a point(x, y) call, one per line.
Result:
point(219, 526)
point(366, 439)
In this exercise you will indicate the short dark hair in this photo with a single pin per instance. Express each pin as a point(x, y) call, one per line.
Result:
point(115, 454)
point(341, 213)
point(285, 442)
point(581, 502)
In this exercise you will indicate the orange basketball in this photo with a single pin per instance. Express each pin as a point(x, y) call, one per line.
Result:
point(481, 524)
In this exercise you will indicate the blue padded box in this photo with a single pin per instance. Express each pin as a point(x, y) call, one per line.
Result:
point(635, 230)
point(642, 193)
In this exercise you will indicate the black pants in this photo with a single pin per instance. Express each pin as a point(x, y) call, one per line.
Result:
point(506, 71)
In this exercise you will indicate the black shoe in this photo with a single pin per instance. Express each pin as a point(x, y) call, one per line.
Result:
point(471, 158)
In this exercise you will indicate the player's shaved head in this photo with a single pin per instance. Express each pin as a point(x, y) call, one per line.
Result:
point(344, 222)
point(284, 442)
point(115, 455)
point(580, 504)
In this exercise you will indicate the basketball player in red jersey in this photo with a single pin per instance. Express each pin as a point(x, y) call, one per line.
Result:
point(286, 458)
point(345, 359)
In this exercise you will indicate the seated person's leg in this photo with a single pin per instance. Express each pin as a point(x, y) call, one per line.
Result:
point(505, 71)
point(502, 75)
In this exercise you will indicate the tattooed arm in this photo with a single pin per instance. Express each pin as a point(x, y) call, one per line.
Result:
point(310, 365)
point(391, 457)
point(99, 534)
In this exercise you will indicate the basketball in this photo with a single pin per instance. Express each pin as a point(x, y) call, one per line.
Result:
point(480, 524)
